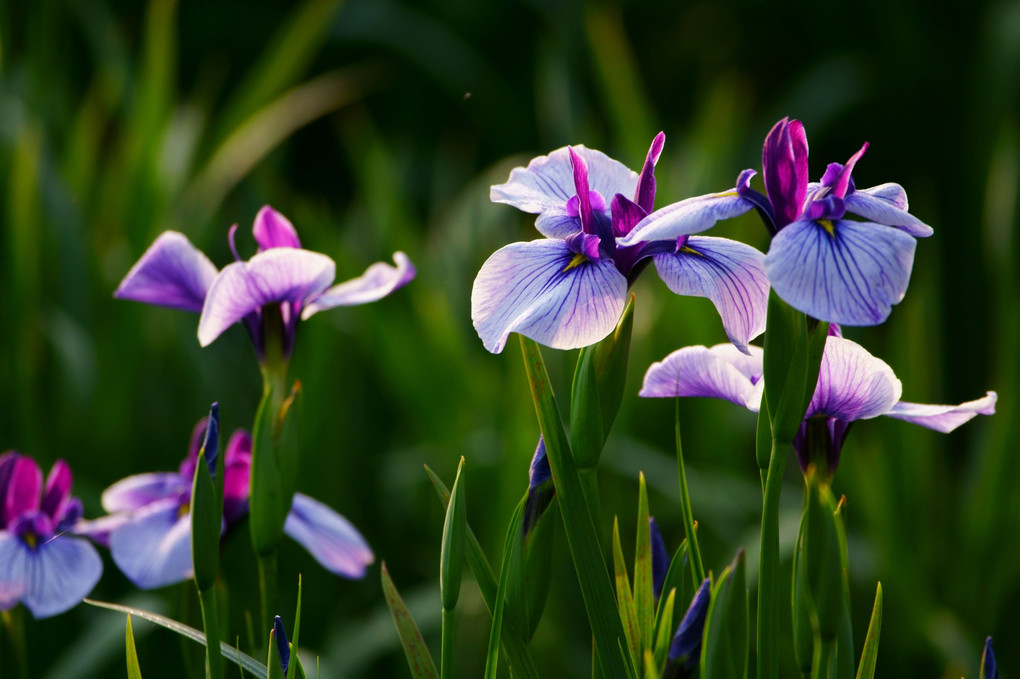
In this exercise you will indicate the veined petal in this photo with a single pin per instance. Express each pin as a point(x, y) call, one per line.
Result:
point(153, 549)
point(887, 204)
point(542, 291)
point(276, 275)
point(944, 418)
point(273, 230)
point(330, 538)
point(557, 222)
point(692, 215)
point(729, 273)
point(846, 272)
point(379, 280)
point(23, 490)
point(853, 384)
point(172, 273)
point(52, 577)
point(140, 490)
point(703, 372)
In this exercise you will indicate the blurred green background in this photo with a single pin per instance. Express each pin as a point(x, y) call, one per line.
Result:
point(378, 125)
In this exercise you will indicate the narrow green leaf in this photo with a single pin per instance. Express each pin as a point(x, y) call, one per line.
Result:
point(611, 357)
point(206, 523)
point(211, 623)
point(267, 505)
point(133, 670)
point(725, 644)
point(586, 431)
point(644, 596)
point(274, 668)
point(803, 610)
point(694, 551)
point(511, 564)
point(845, 659)
point(419, 660)
point(651, 666)
point(625, 600)
point(675, 579)
point(452, 553)
point(768, 566)
point(664, 636)
point(538, 549)
point(295, 668)
point(785, 367)
point(869, 656)
point(245, 661)
point(822, 562)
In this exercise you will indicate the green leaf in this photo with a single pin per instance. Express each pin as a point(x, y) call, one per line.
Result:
point(803, 610)
point(274, 460)
point(511, 567)
point(675, 579)
point(821, 557)
point(611, 357)
point(274, 669)
point(725, 643)
point(582, 539)
point(538, 549)
point(586, 430)
point(206, 524)
point(664, 637)
point(845, 636)
point(651, 666)
point(295, 669)
point(451, 559)
point(644, 596)
point(869, 656)
point(693, 549)
point(625, 600)
point(246, 661)
point(133, 670)
point(418, 657)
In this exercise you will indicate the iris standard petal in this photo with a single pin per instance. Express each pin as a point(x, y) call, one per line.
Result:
point(153, 549)
point(853, 384)
point(944, 418)
point(57, 492)
point(842, 272)
point(699, 371)
point(276, 275)
point(23, 489)
point(140, 490)
point(729, 273)
point(542, 291)
point(784, 163)
point(378, 281)
point(273, 230)
point(54, 576)
point(887, 204)
point(172, 273)
point(334, 542)
point(692, 215)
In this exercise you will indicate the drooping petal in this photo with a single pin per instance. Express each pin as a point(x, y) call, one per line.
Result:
point(330, 538)
point(57, 492)
point(692, 215)
point(50, 578)
point(730, 274)
point(944, 418)
point(784, 162)
point(153, 549)
point(842, 272)
point(378, 281)
point(140, 490)
point(172, 273)
point(23, 490)
point(702, 372)
point(13, 575)
point(276, 275)
point(540, 290)
point(273, 230)
point(853, 384)
point(887, 204)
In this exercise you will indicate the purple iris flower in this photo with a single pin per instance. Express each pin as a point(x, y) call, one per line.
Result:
point(852, 385)
point(270, 292)
point(685, 651)
point(540, 487)
point(831, 268)
point(568, 290)
point(282, 644)
point(148, 530)
point(43, 563)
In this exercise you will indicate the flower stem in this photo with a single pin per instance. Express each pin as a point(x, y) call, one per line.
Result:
point(14, 621)
point(768, 576)
point(698, 569)
point(267, 592)
point(446, 660)
point(211, 624)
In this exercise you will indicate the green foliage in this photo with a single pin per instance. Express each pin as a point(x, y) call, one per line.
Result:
point(133, 670)
point(724, 651)
point(419, 660)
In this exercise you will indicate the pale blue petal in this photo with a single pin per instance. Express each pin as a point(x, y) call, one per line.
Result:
point(536, 290)
point(142, 489)
point(154, 548)
point(853, 384)
point(51, 578)
point(944, 418)
point(172, 273)
point(379, 280)
point(556, 222)
point(719, 372)
point(729, 273)
point(13, 570)
point(275, 275)
point(852, 276)
point(887, 204)
point(330, 538)
point(692, 215)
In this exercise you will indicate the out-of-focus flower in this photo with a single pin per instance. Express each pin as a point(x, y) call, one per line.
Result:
point(989, 668)
point(685, 651)
point(540, 487)
point(281, 284)
point(43, 562)
point(282, 644)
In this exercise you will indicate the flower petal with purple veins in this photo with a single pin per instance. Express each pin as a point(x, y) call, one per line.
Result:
point(23, 490)
point(842, 272)
point(853, 384)
point(544, 291)
point(276, 275)
point(49, 579)
point(140, 490)
point(692, 215)
point(784, 162)
point(730, 274)
point(887, 204)
point(378, 281)
point(57, 492)
point(944, 418)
point(330, 538)
point(172, 273)
point(153, 549)
point(273, 230)
point(704, 372)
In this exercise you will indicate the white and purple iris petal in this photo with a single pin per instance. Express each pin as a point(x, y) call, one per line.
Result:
point(43, 564)
point(378, 281)
point(153, 548)
point(944, 418)
point(886, 204)
point(853, 384)
point(172, 273)
point(334, 542)
point(718, 372)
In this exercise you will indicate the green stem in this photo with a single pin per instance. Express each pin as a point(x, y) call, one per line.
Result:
point(446, 670)
point(768, 575)
point(211, 625)
point(694, 550)
point(267, 593)
point(14, 621)
point(823, 657)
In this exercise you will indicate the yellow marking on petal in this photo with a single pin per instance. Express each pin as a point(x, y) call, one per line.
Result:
point(827, 225)
point(183, 510)
point(690, 251)
point(31, 540)
point(575, 262)
point(722, 194)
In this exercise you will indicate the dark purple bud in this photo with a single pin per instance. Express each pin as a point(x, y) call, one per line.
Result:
point(784, 161)
point(645, 194)
point(660, 558)
point(540, 487)
point(685, 651)
point(211, 442)
point(989, 668)
point(282, 645)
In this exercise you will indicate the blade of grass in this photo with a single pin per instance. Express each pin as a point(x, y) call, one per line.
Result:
point(644, 596)
point(625, 600)
point(511, 562)
point(419, 660)
point(133, 670)
point(869, 656)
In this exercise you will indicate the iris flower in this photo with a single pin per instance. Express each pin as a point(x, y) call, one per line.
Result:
point(270, 292)
point(685, 650)
point(43, 563)
point(829, 267)
point(852, 385)
point(568, 290)
point(148, 530)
